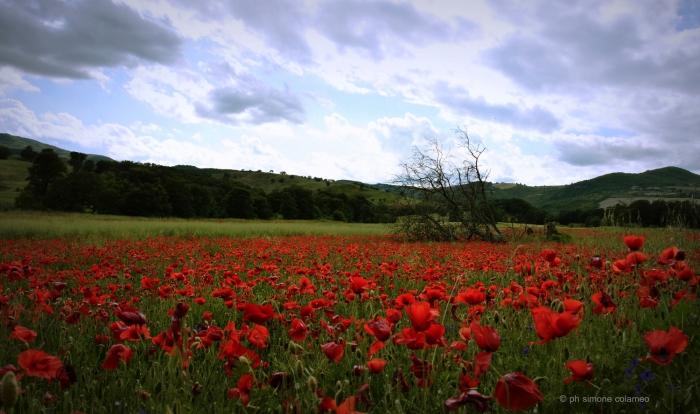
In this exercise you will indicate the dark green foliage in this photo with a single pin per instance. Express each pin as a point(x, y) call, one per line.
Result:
point(76, 160)
point(5, 152)
point(659, 213)
point(28, 153)
point(517, 210)
point(136, 189)
point(238, 203)
point(146, 200)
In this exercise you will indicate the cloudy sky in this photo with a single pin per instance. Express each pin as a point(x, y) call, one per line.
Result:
point(558, 91)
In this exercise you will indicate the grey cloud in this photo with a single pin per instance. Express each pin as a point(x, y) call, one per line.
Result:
point(619, 154)
point(67, 40)
point(279, 23)
point(377, 28)
point(571, 47)
point(459, 100)
point(247, 100)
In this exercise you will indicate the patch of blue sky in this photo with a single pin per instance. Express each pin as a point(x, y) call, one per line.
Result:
point(84, 99)
point(609, 132)
point(688, 15)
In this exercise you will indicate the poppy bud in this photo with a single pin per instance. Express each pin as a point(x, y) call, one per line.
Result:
point(312, 383)
point(244, 360)
point(158, 388)
point(358, 354)
point(196, 388)
point(680, 255)
point(496, 317)
point(9, 391)
point(299, 368)
point(339, 385)
point(339, 397)
point(168, 410)
point(566, 353)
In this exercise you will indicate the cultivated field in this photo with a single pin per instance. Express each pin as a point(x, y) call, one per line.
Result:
point(117, 315)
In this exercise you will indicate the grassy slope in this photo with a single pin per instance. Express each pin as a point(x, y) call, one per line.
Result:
point(13, 174)
point(668, 182)
point(17, 144)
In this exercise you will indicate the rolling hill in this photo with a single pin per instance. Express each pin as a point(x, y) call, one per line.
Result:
point(670, 183)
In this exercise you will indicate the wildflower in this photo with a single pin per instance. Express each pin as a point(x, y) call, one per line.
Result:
point(486, 337)
point(421, 315)
point(515, 391)
point(117, 352)
point(647, 375)
point(580, 371)
point(39, 364)
point(333, 351)
point(665, 345)
point(23, 334)
point(634, 243)
point(376, 365)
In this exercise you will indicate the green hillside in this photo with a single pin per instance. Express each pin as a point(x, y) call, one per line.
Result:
point(271, 181)
point(17, 144)
point(668, 183)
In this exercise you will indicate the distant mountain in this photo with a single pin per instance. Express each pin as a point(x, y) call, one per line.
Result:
point(17, 144)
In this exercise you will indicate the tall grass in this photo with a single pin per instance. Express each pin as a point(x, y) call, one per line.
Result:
point(17, 224)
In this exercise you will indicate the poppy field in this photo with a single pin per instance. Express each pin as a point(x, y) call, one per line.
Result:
point(343, 324)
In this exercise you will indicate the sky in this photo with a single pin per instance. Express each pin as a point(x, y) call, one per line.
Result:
point(556, 91)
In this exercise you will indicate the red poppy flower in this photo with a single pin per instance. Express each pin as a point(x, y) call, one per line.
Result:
point(242, 391)
point(130, 316)
point(348, 406)
point(379, 328)
point(468, 397)
point(39, 364)
point(471, 296)
point(333, 351)
point(358, 284)
point(636, 258)
point(134, 332)
point(486, 337)
point(603, 303)
point(298, 330)
point(549, 255)
point(403, 300)
point(376, 365)
point(412, 339)
point(23, 334)
point(258, 336)
point(573, 306)
point(482, 360)
point(665, 345)
point(515, 391)
point(580, 371)
point(550, 325)
point(258, 314)
point(634, 242)
point(117, 352)
point(668, 256)
point(200, 301)
point(421, 315)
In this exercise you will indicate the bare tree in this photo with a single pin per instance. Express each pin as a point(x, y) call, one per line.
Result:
point(442, 200)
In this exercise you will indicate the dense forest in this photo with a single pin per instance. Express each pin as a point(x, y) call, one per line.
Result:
point(150, 190)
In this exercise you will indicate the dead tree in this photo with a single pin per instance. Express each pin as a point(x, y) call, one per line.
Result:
point(441, 200)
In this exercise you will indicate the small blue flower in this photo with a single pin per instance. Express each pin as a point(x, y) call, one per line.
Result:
point(526, 351)
point(634, 363)
point(641, 405)
point(672, 388)
point(628, 373)
point(647, 376)
point(532, 328)
point(638, 388)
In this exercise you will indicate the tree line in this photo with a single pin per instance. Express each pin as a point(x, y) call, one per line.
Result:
point(150, 190)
